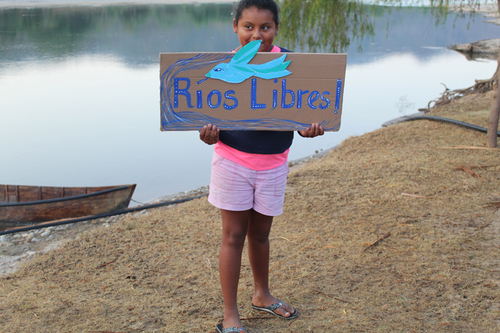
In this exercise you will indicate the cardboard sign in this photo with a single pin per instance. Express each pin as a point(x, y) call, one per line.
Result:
point(249, 91)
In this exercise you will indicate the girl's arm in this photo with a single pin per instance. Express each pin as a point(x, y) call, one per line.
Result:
point(209, 134)
point(313, 131)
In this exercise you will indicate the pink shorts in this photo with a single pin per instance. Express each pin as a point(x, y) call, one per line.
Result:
point(238, 188)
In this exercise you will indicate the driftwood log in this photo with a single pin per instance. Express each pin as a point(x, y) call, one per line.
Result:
point(481, 86)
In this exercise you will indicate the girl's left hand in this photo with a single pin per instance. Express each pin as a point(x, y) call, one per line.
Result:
point(313, 131)
point(209, 134)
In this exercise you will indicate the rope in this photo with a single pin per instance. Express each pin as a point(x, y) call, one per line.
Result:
point(140, 203)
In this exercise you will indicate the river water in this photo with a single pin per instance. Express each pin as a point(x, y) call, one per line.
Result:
point(79, 89)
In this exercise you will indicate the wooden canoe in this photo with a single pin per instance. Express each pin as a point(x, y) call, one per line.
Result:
point(24, 205)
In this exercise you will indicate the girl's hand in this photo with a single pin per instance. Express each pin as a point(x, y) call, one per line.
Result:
point(209, 134)
point(313, 131)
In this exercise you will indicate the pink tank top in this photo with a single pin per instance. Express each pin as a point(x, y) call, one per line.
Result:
point(252, 161)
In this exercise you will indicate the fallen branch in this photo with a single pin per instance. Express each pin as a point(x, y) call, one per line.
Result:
point(377, 241)
point(478, 166)
point(415, 195)
point(469, 147)
point(493, 204)
point(106, 264)
point(480, 87)
point(469, 171)
point(484, 225)
point(328, 295)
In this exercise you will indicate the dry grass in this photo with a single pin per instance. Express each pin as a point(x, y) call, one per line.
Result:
point(388, 233)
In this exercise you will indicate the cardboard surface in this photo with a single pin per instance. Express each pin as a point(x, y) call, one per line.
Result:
point(312, 93)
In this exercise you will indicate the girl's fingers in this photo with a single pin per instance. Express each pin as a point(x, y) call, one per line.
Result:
point(320, 130)
point(209, 134)
point(203, 133)
point(313, 131)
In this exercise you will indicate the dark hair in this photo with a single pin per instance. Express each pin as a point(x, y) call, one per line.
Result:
point(260, 4)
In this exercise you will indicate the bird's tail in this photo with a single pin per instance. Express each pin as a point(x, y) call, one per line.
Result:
point(273, 75)
point(270, 64)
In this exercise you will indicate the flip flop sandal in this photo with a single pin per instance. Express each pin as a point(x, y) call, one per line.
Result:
point(270, 309)
point(221, 329)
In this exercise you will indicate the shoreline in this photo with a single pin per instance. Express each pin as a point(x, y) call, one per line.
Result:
point(18, 247)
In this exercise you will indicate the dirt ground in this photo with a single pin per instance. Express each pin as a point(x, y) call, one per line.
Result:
point(393, 231)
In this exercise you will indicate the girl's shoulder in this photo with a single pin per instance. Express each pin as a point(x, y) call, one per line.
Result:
point(283, 49)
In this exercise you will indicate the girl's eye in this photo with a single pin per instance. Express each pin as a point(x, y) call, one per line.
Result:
point(265, 28)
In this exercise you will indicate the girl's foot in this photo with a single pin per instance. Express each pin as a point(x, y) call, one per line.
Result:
point(274, 306)
point(231, 322)
point(221, 329)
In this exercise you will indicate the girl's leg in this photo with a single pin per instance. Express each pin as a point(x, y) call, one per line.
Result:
point(259, 228)
point(234, 229)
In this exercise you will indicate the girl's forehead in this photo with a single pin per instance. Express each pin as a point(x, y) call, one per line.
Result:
point(254, 13)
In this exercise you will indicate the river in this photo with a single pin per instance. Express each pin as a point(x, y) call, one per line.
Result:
point(79, 89)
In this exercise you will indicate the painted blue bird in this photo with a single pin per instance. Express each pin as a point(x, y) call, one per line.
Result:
point(238, 69)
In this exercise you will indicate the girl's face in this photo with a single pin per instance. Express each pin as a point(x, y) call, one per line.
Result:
point(256, 24)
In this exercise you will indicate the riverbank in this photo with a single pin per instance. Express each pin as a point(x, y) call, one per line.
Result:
point(20, 246)
point(391, 229)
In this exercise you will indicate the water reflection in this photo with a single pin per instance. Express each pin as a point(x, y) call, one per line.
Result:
point(324, 25)
point(79, 101)
point(135, 34)
point(332, 26)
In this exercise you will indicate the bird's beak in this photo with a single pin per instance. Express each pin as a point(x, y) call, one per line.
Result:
point(208, 75)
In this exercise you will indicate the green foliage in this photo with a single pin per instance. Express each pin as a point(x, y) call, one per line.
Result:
point(332, 25)
point(323, 25)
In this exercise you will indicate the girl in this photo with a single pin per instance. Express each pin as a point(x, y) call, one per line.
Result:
point(249, 172)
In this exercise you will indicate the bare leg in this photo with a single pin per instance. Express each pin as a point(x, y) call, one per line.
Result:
point(259, 228)
point(234, 229)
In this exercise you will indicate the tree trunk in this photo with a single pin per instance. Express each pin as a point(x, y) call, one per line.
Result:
point(491, 137)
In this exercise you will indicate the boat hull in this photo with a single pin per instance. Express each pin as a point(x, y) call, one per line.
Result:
point(25, 205)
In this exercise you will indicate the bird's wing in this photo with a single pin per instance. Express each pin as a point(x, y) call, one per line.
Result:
point(246, 53)
point(243, 69)
point(270, 64)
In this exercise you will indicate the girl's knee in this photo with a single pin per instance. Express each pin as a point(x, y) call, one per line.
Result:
point(258, 237)
point(234, 239)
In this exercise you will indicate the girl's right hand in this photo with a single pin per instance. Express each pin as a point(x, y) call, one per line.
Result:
point(313, 131)
point(209, 134)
